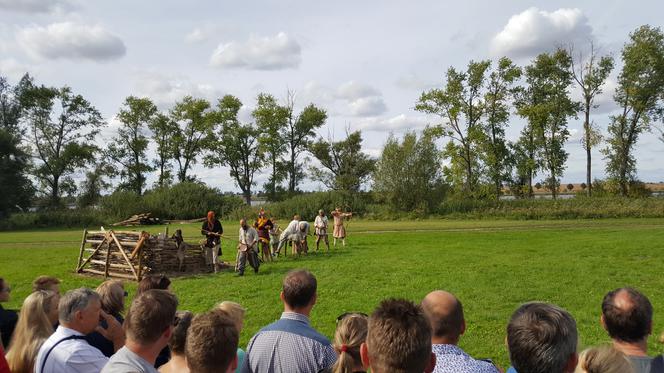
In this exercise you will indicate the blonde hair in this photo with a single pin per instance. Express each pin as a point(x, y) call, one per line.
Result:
point(111, 293)
point(235, 312)
point(604, 359)
point(350, 334)
point(32, 329)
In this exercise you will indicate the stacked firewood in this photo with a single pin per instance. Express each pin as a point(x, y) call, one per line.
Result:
point(139, 219)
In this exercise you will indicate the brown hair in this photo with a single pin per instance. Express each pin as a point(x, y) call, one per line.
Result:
point(179, 336)
point(32, 329)
point(235, 312)
point(605, 359)
point(159, 282)
point(399, 337)
point(212, 342)
point(351, 333)
point(150, 313)
point(444, 322)
point(44, 283)
point(299, 288)
point(631, 323)
point(112, 296)
point(541, 337)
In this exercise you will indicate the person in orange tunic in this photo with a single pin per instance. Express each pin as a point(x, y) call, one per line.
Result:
point(339, 229)
point(263, 225)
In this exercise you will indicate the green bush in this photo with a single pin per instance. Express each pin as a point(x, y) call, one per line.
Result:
point(189, 201)
point(53, 218)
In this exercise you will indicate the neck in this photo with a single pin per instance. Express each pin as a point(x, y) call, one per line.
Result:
point(148, 353)
point(306, 311)
point(444, 340)
point(639, 348)
point(73, 326)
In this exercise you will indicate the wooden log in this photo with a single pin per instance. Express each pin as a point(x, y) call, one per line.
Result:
point(124, 255)
point(123, 243)
point(139, 244)
point(93, 254)
point(110, 274)
point(80, 254)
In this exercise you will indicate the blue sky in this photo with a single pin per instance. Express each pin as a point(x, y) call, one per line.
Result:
point(365, 62)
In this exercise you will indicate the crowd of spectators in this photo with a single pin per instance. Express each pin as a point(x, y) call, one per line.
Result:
point(83, 330)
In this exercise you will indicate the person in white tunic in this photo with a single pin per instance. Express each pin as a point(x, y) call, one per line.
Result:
point(320, 229)
point(66, 350)
point(291, 233)
point(248, 237)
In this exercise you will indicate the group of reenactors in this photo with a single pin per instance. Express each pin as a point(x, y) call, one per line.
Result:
point(265, 238)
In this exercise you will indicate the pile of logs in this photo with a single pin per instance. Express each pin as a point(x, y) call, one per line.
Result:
point(131, 255)
point(140, 219)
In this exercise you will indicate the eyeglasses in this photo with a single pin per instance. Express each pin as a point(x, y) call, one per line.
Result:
point(346, 314)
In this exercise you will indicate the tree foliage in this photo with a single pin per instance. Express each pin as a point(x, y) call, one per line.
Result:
point(271, 120)
point(193, 133)
point(639, 92)
point(162, 128)
point(408, 174)
point(128, 148)
point(345, 166)
point(61, 128)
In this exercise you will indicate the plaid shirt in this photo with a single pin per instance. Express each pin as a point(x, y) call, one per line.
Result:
point(452, 359)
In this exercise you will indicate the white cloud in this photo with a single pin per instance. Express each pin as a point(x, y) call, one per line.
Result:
point(399, 123)
point(164, 90)
point(535, 31)
point(363, 100)
point(353, 91)
point(35, 6)
point(72, 41)
point(15, 70)
point(259, 53)
point(367, 106)
point(317, 93)
point(200, 34)
point(414, 82)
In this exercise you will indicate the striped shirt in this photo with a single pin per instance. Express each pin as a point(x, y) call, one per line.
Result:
point(452, 359)
point(289, 345)
point(73, 355)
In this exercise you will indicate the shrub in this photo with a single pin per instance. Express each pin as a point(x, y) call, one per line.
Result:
point(82, 218)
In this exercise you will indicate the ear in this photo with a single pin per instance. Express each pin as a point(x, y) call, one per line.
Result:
point(315, 299)
point(650, 327)
point(463, 326)
point(572, 362)
point(602, 322)
point(431, 365)
point(281, 296)
point(364, 355)
point(168, 332)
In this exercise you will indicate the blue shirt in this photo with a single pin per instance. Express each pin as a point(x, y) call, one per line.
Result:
point(288, 345)
point(452, 359)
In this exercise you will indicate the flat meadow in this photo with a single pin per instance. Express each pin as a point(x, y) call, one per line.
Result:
point(491, 265)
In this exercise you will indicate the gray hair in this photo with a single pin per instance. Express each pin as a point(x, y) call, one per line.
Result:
point(75, 300)
point(541, 337)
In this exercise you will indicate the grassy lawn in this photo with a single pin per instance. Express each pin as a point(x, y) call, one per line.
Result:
point(491, 265)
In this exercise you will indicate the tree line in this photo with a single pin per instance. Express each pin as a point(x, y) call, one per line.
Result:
point(47, 134)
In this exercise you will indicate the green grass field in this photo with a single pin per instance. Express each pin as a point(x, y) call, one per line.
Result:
point(491, 265)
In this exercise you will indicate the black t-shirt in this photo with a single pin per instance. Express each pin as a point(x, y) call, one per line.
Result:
point(8, 319)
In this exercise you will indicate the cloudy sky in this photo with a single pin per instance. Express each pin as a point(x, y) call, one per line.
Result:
point(365, 62)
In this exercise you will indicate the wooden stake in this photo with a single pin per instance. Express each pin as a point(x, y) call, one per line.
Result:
point(80, 255)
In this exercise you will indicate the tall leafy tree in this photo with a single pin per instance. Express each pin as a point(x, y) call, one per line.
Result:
point(16, 190)
point(590, 74)
point(237, 147)
point(408, 175)
point(61, 129)
point(345, 166)
point(461, 106)
point(639, 92)
point(300, 131)
point(271, 119)
point(549, 78)
point(128, 148)
point(193, 133)
point(495, 151)
point(94, 184)
point(163, 128)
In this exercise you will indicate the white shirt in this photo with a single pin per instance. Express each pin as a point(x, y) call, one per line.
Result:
point(292, 228)
point(74, 355)
point(248, 237)
point(320, 222)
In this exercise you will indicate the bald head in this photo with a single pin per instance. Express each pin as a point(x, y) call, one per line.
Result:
point(445, 314)
point(627, 315)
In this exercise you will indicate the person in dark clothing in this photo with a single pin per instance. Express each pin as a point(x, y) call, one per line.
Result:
point(212, 230)
point(113, 295)
point(8, 318)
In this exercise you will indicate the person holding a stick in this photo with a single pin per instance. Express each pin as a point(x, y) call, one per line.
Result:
point(263, 226)
point(213, 231)
point(246, 248)
point(339, 229)
point(320, 225)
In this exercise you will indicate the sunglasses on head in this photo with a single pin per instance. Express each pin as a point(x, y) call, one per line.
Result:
point(346, 314)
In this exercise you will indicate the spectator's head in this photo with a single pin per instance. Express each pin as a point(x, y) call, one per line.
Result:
point(299, 291)
point(150, 318)
point(179, 337)
point(351, 333)
point(445, 314)
point(212, 342)
point(627, 315)
point(235, 312)
point(46, 283)
point(542, 338)
point(156, 282)
point(5, 290)
point(605, 359)
point(35, 324)
point(79, 309)
point(112, 295)
point(398, 339)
